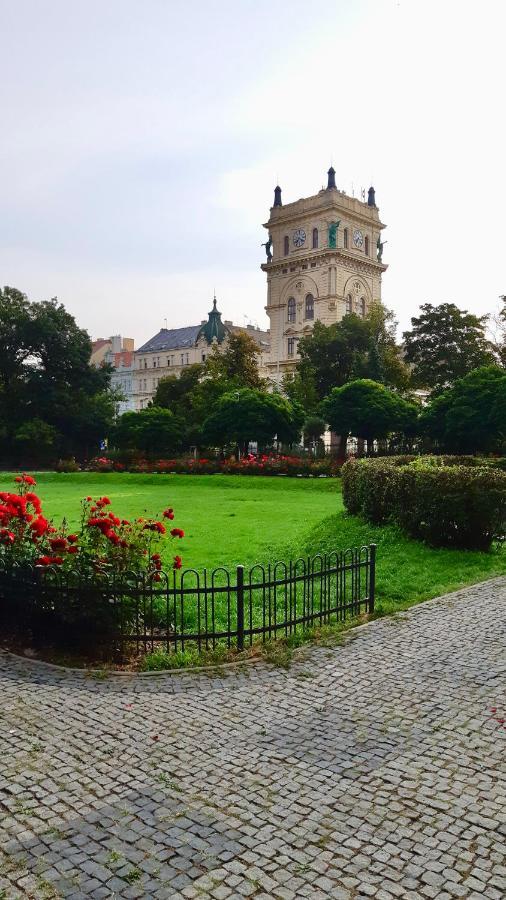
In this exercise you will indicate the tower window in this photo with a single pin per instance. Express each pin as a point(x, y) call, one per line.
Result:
point(349, 304)
point(291, 346)
point(315, 238)
point(309, 311)
point(367, 246)
point(345, 238)
point(287, 244)
point(362, 307)
point(291, 310)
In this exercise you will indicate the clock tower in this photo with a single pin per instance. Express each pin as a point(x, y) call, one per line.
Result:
point(324, 260)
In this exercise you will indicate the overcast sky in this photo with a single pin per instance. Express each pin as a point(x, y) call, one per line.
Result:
point(141, 142)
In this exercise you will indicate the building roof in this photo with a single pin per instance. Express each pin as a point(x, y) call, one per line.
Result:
point(213, 329)
point(171, 339)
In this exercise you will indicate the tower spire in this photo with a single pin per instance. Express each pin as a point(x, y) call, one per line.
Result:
point(331, 182)
point(277, 196)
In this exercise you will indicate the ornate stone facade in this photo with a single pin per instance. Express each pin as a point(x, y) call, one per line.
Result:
point(169, 351)
point(326, 261)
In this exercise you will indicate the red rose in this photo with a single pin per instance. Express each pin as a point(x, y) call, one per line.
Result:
point(178, 562)
point(177, 532)
point(168, 513)
point(58, 543)
point(73, 549)
point(29, 480)
point(156, 576)
point(72, 538)
point(56, 560)
point(18, 479)
point(89, 499)
point(43, 561)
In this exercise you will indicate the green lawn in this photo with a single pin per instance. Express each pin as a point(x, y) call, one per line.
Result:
point(238, 519)
point(227, 519)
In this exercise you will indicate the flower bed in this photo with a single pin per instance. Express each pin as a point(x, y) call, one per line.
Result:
point(272, 464)
point(54, 581)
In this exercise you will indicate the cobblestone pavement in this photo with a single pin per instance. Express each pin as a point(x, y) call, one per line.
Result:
point(374, 769)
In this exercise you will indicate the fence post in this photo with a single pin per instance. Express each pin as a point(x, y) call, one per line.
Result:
point(372, 576)
point(240, 607)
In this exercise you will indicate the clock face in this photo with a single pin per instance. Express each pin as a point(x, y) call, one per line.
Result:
point(299, 237)
point(358, 238)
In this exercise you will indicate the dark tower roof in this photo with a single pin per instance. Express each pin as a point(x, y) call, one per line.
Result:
point(213, 328)
point(371, 197)
point(277, 196)
point(331, 183)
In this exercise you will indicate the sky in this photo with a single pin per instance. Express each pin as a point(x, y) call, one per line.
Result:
point(141, 143)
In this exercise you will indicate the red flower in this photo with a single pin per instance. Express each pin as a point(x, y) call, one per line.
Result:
point(177, 532)
point(29, 480)
point(104, 501)
point(156, 576)
point(18, 479)
point(89, 499)
point(58, 543)
point(113, 537)
point(178, 562)
point(72, 538)
point(39, 526)
point(6, 537)
point(155, 557)
point(56, 560)
point(43, 561)
point(73, 549)
point(168, 513)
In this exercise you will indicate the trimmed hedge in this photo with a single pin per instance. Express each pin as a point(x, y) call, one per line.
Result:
point(443, 503)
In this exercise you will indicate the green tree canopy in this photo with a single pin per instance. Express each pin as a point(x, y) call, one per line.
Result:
point(252, 415)
point(45, 375)
point(367, 409)
point(470, 416)
point(153, 431)
point(237, 362)
point(355, 347)
point(444, 344)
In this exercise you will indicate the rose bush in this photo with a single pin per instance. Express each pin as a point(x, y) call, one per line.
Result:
point(104, 543)
point(265, 464)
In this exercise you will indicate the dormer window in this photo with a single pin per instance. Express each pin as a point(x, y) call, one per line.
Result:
point(291, 309)
point(315, 239)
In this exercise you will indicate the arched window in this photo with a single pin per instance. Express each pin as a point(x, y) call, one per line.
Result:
point(315, 238)
point(345, 238)
point(291, 310)
point(309, 309)
point(287, 245)
point(362, 307)
point(367, 246)
point(349, 304)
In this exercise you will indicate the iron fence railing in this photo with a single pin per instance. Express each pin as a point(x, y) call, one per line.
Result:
point(199, 610)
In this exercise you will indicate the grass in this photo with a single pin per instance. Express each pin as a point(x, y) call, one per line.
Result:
point(227, 519)
point(241, 519)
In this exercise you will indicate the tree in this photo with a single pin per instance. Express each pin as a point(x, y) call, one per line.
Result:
point(330, 354)
point(383, 361)
point(368, 410)
point(445, 343)
point(153, 431)
point(238, 361)
point(470, 417)
point(45, 375)
point(251, 415)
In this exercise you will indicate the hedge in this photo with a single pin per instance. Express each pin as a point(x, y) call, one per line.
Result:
point(444, 503)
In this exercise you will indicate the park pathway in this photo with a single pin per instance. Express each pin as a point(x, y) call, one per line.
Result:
point(373, 769)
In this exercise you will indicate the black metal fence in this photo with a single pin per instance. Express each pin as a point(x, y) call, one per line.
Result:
point(192, 610)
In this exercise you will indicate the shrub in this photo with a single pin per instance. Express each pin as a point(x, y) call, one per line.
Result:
point(432, 499)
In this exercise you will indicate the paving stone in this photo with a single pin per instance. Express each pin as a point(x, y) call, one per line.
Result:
point(378, 776)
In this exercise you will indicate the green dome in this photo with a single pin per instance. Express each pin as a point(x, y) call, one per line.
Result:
point(213, 328)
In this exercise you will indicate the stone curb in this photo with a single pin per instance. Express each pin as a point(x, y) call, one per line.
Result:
point(236, 664)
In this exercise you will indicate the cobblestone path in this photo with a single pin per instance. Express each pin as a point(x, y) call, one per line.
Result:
point(374, 769)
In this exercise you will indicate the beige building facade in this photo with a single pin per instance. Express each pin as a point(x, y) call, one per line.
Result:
point(172, 349)
point(324, 260)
